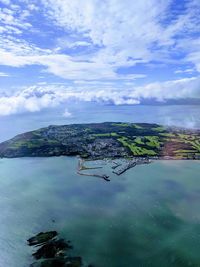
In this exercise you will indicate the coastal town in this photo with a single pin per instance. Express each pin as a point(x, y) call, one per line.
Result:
point(112, 140)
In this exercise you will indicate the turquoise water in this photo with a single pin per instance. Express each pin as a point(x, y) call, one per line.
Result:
point(147, 217)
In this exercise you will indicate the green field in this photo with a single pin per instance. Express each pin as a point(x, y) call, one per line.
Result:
point(110, 139)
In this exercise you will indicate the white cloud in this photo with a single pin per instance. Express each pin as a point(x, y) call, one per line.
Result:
point(20, 104)
point(195, 58)
point(64, 66)
point(39, 97)
point(3, 74)
point(114, 33)
point(5, 2)
point(175, 89)
point(127, 32)
point(189, 71)
point(13, 19)
point(67, 114)
point(67, 42)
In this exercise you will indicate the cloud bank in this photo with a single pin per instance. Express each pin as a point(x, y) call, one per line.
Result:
point(39, 97)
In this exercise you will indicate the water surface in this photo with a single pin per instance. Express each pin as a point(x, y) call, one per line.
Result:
point(149, 216)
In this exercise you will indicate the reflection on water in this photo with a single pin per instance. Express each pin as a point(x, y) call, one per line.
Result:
point(149, 216)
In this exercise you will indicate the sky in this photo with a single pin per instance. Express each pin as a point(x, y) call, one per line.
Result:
point(110, 51)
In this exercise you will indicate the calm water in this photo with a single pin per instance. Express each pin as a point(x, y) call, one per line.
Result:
point(147, 217)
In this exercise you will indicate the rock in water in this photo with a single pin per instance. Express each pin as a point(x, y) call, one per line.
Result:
point(51, 249)
point(52, 252)
point(57, 262)
point(41, 238)
point(73, 262)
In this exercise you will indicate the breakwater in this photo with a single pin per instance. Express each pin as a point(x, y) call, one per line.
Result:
point(130, 164)
point(82, 167)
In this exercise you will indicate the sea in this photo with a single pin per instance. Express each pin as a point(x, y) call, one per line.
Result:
point(147, 217)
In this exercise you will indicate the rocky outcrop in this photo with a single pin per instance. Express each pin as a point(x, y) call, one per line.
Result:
point(52, 251)
point(41, 238)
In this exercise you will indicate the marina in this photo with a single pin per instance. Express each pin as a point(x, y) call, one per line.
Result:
point(120, 166)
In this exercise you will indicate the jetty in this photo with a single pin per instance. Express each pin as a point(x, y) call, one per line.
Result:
point(116, 165)
point(82, 167)
point(130, 164)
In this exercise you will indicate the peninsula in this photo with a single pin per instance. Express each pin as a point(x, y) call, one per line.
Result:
point(106, 140)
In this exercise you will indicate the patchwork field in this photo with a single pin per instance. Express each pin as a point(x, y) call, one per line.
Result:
point(100, 140)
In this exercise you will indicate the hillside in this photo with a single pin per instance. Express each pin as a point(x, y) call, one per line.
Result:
point(110, 140)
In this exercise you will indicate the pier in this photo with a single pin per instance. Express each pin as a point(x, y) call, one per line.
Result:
point(82, 167)
point(131, 164)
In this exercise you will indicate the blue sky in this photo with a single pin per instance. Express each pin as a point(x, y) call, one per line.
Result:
point(113, 51)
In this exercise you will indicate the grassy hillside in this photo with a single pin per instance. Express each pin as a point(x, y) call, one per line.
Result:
point(109, 139)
